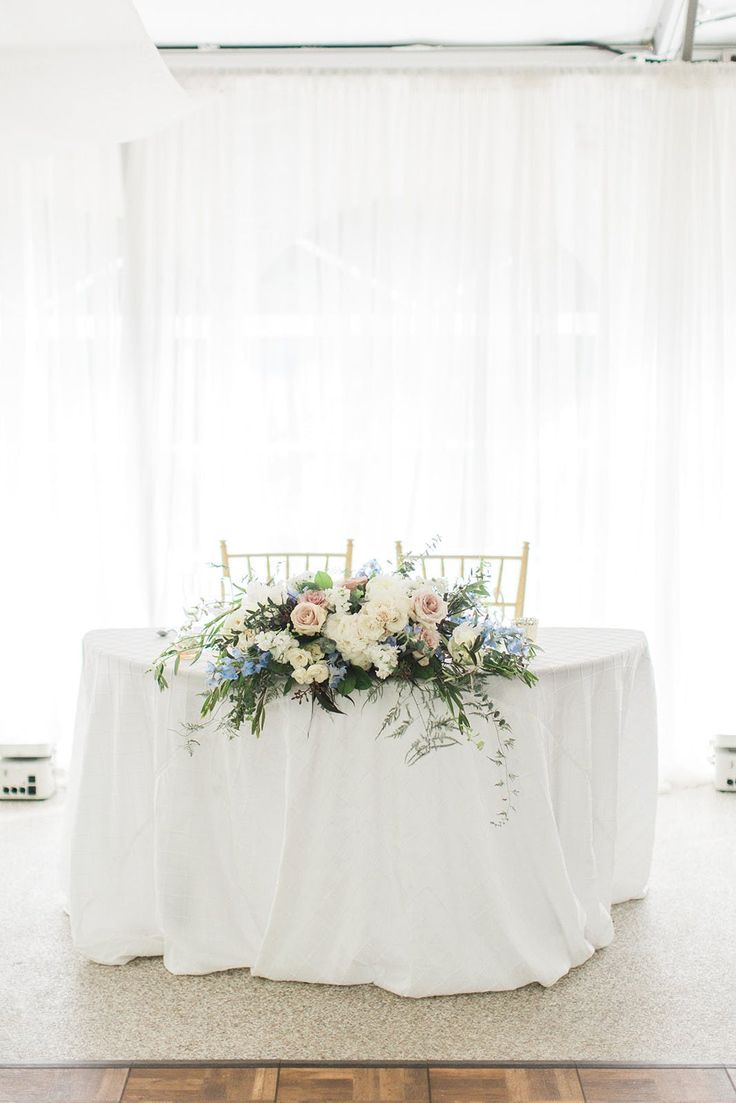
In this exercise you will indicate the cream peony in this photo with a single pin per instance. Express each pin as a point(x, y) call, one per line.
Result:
point(308, 618)
point(390, 588)
point(427, 607)
point(388, 601)
point(369, 627)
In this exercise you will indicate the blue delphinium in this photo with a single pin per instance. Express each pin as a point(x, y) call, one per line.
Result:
point(338, 670)
point(213, 676)
point(369, 569)
point(505, 637)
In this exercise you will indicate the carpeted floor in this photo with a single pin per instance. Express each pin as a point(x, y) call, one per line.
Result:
point(662, 992)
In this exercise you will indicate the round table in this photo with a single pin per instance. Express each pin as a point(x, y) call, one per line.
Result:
point(321, 856)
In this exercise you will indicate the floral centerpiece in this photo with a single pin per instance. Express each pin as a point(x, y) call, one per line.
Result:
point(324, 642)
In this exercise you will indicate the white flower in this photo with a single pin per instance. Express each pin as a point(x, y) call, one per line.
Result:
point(370, 627)
point(390, 588)
point(308, 675)
point(294, 583)
point(278, 643)
point(234, 621)
point(259, 593)
point(388, 599)
point(297, 657)
point(465, 634)
point(462, 639)
point(385, 660)
point(343, 629)
point(318, 672)
point(339, 598)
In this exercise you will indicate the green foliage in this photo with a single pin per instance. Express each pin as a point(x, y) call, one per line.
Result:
point(440, 701)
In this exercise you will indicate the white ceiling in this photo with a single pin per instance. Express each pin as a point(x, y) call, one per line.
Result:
point(712, 28)
point(376, 22)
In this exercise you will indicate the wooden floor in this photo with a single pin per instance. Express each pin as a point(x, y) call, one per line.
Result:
point(415, 1084)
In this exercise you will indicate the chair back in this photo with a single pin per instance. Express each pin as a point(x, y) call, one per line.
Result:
point(514, 579)
point(270, 565)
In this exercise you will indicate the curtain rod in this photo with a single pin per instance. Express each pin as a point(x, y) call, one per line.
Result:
point(418, 46)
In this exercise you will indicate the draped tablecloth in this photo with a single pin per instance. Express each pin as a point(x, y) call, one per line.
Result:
point(317, 854)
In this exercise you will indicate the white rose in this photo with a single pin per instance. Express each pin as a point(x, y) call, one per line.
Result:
point(301, 676)
point(318, 672)
point(297, 658)
point(462, 639)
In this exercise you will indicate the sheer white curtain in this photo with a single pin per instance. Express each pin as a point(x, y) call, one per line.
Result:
point(69, 503)
point(380, 305)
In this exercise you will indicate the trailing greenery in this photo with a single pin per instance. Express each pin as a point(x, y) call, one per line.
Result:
point(327, 643)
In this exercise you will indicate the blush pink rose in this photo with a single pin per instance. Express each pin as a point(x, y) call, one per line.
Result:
point(428, 607)
point(430, 636)
point(308, 618)
point(354, 583)
point(317, 597)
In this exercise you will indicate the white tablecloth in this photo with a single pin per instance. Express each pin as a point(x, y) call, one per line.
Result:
point(326, 858)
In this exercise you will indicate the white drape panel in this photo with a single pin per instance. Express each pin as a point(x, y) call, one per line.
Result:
point(379, 305)
point(69, 553)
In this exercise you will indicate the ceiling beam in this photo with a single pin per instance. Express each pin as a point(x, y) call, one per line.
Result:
point(674, 35)
point(669, 29)
point(688, 37)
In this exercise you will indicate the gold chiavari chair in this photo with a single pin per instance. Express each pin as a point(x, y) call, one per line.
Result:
point(493, 564)
point(287, 562)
